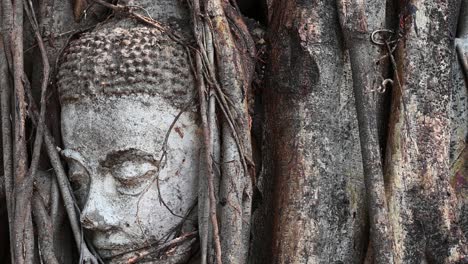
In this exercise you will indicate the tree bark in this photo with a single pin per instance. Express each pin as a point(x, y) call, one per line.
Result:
point(23, 238)
point(313, 171)
point(7, 148)
point(45, 234)
point(358, 21)
point(421, 199)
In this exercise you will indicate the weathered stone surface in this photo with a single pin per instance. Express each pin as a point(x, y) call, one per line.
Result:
point(116, 143)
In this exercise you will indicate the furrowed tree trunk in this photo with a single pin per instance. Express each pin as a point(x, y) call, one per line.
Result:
point(313, 177)
point(421, 199)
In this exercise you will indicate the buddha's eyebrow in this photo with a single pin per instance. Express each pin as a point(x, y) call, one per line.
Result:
point(119, 156)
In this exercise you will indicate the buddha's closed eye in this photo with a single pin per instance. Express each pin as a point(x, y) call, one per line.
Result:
point(132, 169)
point(133, 176)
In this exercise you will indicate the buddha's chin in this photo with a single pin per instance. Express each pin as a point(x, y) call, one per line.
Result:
point(111, 248)
point(116, 251)
point(121, 254)
point(109, 253)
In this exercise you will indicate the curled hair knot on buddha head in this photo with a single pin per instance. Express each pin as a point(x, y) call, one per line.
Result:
point(120, 61)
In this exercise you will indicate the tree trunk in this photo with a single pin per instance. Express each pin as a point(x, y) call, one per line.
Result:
point(422, 202)
point(313, 178)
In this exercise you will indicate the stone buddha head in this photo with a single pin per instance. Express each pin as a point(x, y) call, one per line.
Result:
point(121, 90)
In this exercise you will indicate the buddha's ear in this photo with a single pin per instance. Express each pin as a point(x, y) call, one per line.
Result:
point(74, 157)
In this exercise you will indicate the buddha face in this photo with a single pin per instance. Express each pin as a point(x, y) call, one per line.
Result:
point(116, 143)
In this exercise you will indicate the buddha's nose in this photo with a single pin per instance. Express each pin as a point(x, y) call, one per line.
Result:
point(97, 215)
point(89, 221)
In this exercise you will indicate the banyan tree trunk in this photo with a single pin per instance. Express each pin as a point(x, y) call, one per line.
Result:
point(422, 202)
point(312, 184)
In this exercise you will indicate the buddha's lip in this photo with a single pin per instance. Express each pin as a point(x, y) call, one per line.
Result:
point(120, 246)
point(109, 249)
point(112, 251)
point(120, 252)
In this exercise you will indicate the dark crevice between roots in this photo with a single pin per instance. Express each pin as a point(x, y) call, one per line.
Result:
point(254, 9)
